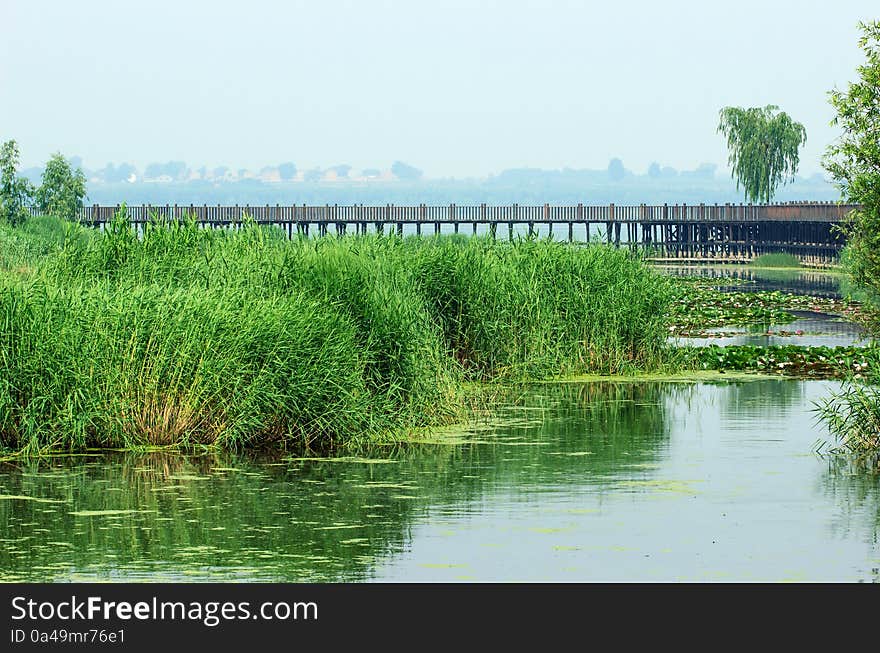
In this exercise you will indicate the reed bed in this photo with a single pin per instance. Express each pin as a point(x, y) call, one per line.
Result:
point(186, 336)
point(852, 415)
point(776, 260)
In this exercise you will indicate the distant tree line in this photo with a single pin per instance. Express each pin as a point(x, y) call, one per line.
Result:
point(178, 171)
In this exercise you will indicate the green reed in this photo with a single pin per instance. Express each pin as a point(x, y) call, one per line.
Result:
point(776, 260)
point(189, 336)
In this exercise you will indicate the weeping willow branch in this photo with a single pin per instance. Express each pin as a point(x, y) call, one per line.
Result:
point(763, 148)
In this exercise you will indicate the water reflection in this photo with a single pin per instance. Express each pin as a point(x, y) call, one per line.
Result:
point(809, 329)
point(798, 281)
point(595, 481)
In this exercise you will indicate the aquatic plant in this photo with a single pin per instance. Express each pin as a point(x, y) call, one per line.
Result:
point(535, 308)
point(697, 305)
point(790, 360)
point(853, 418)
point(180, 335)
point(98, 365)
point(776, 260)
point(22, 247)
point(854, 163)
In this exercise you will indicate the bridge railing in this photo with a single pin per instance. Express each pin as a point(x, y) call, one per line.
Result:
point(478, 213)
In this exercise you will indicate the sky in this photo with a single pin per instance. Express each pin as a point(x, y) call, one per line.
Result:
point(458, 89)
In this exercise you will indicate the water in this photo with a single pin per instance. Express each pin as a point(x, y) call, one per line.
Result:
point(798, 281)
point(808, 329)
point(572, 482)
point(601, 481)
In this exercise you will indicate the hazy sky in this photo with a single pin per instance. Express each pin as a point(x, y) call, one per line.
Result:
point(455, 88)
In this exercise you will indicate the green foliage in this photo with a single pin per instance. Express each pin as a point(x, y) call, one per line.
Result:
point(189, 336)
point(853, 417)
point(16, 192)
point(28, 244)
point(100, 364)
point(697, 305)
point(763, 148)
point(791, 360)
point(62, 190)
point(777, 260)
point(536, 308)
point(854, 160)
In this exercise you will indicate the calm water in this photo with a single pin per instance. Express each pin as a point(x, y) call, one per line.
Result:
point(809, 329)
point(577, 482)
point(798, 281)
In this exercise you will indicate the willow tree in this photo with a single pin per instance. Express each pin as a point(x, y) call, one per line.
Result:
point(763, 148)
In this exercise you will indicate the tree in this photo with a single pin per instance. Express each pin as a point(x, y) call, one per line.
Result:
point(177, 170)
point(763, 148)
point(854, 160)
point(853, 415)
point(403, 170)
point(111, 174)
point(703, 171)
point(616, 171)
point(341, 170)
point(313, 175)
point(63, 189)
point(287, 171)
point(15, 192)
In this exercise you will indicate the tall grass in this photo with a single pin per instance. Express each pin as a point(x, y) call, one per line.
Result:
point(853, 417)
point(187, 336)
point(106, 366)
point(537, 308)
point(776, 260)
point(22, 247)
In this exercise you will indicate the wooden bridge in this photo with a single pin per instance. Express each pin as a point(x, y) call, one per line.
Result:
point(675, 231)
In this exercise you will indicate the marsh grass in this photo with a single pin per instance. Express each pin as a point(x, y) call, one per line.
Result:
point(23, 247)
point(534, 308)
point(853, 418)
point(776, 260)
point(242, 338)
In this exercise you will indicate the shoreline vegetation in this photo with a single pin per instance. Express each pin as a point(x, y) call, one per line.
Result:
point(777, 260)
point(194, 338)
